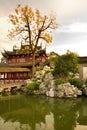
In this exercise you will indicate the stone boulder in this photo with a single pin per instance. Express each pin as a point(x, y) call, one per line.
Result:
point(42, 88)
point(48, 77)
point(39, 74)
point(47, 85)
point(64, 90)
point(49, 88)
point(50, 93)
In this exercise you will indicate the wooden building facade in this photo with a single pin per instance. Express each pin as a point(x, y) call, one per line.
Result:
point(18, 63)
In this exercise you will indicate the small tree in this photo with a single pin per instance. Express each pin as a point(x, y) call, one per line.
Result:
point(52, 58)
point(30, 26)
point(65, 64)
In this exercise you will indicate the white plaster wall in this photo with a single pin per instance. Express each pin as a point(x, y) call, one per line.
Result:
point(84, 73)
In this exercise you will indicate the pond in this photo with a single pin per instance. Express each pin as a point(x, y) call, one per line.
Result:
point(42, 113)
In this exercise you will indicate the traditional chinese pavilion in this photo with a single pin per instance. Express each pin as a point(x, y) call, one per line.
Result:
point(18, 63)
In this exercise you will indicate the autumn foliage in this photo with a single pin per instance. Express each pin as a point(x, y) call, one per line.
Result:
point(31, 27)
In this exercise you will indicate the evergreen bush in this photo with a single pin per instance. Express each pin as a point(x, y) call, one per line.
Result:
point(59, 81)
point(34, 85)
point(66, 64)
point(76, 82)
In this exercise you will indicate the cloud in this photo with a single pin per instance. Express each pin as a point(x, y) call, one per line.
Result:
point(72, 11)
point(64, 8)
point(66, 37)
point(72, 31)
point(80, 48)
point(73, 27)
point(70, 37)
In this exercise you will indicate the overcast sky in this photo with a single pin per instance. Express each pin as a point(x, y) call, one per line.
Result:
point(72, 19)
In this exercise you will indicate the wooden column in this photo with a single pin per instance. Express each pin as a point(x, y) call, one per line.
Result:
point(19, 76)
point(0, 75)
point(4, 77)
point(9, 76)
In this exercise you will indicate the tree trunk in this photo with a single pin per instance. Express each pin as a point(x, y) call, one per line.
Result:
point(33, 65)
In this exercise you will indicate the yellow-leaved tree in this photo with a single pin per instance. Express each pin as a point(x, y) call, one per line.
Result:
point(29, 25)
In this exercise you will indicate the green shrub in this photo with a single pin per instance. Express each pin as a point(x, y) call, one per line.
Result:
point(66, 64)
point(59, 81)
point(34, 85)
point(76, 82)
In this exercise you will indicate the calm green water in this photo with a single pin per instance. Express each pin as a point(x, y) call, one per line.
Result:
point(42, 113)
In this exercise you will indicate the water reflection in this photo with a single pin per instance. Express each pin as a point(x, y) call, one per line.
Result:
point(13, 125)
point(48, 125)
point(81, 127)
point(34, 113)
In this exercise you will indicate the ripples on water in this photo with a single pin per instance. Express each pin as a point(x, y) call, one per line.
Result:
point(42, 113)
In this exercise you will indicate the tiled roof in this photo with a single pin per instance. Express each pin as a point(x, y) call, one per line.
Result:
point(82, 60)
point(24, 50)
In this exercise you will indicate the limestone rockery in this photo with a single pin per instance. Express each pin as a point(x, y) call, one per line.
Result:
point(50, 89)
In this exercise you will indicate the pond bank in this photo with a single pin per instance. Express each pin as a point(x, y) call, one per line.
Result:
point(44, 83)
